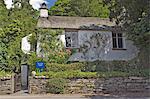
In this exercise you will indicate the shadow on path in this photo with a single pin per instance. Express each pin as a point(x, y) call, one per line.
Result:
point(22, 92)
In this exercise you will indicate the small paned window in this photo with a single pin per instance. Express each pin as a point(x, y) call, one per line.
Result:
point(71, 39)
point(118, 40)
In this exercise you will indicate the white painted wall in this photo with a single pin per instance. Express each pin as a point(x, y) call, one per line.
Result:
point(25, 45)
point(103, 54)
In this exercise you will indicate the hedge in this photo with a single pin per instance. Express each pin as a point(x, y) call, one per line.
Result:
point(56, 85)
point(79, 74)
point(55, 67)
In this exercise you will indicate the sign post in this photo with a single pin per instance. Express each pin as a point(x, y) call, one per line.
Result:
point(40, 66)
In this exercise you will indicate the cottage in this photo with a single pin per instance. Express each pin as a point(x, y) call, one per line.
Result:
point(93, 38)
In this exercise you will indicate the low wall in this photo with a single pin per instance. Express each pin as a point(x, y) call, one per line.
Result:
point(6, 85)
point(117, 85)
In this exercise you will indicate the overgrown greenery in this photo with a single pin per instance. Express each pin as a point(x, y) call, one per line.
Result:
point(56, 85)
point(19, 22)
point(79, 74)
point(50, 49)
point(96, 69)
point(93, 8)
point(5, 74)
point(16, 23)
point(133, 16)
point(55, 67)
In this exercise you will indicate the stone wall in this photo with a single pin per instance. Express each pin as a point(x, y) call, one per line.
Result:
point(6, 85)
point(118, 85)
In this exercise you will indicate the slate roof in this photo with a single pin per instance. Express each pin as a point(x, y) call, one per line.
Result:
point(66, 22)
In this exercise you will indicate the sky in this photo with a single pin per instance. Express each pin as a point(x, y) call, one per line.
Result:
point(35, 3)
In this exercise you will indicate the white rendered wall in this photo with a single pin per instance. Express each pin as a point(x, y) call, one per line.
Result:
point(106, 53)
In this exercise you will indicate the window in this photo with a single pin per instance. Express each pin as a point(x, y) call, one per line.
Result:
point(118, 40)
point(71, 39)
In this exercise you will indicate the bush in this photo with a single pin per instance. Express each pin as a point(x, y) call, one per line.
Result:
point(4, 73)
point(55, 67)
point(112, 74)
point(140, 72)
point(32, 59)
point(56, 85)
point(59, 56)
point(68, 74)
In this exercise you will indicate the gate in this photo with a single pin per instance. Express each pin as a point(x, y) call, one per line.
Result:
point(17, 82)
point(24, 76)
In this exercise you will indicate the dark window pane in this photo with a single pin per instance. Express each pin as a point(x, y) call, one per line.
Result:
point(71, 39)
point(113, 34)
point(120, 43)
point(119, 34)
point(114, 43)
point(68, 41)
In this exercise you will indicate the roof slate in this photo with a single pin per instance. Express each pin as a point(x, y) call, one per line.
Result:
point(66, 22)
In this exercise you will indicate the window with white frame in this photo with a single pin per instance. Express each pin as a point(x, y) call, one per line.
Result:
point(118, 41)
point(71, 39)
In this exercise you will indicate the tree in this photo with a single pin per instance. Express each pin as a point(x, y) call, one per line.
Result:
point(11, 37)
point(3, 13)
point(79, 8)
point(133, 16)
point(20, 22)
point(3, 22)
point(62, 8)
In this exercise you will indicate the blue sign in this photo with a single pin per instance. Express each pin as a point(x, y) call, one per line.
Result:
point(40, 65)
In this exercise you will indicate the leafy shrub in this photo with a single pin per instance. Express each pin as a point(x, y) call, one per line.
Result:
point(56, 85)
point(55, 67)
point(140, 73)
point(32, 59)
point(112, 74)
point(59, 56)
point(79, 74)
point(4, 73)
point(68, 74)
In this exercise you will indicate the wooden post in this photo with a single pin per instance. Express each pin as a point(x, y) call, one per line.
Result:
point(13, 83)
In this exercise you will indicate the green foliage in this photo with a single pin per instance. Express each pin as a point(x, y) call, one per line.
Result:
point(51, 48)
point(75, 74)
point(5, 74)
point(68, 74)
point(11, 36)
point(112, 74)
point(58, 56)
point(55, 67)
point(32, 59)
point(133, 15)
point(140, 73)
point(16, 23)
point(62, 8)
point(3, 14)
point(79, 8)
point(56, 85)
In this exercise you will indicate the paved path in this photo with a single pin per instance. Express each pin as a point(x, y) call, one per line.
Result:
point(66, 97)
point(24, 95)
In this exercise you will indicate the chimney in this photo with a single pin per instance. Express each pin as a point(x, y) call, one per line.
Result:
point(44, 11)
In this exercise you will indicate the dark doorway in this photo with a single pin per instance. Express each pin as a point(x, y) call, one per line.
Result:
point(24, 76)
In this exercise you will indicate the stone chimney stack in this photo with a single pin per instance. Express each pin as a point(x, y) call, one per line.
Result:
point(44, 11)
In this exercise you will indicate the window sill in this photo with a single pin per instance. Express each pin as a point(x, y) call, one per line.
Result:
point(119, 49)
